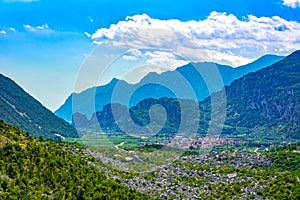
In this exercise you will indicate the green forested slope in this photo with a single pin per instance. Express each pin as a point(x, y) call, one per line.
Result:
point(20, 109)
point(32, 169)
point(268, 101)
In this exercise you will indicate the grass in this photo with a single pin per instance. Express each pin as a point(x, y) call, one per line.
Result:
point(102, 140)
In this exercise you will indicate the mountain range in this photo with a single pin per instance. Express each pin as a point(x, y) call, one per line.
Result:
point(186, 82)
point(20, 109)
point(263, 104)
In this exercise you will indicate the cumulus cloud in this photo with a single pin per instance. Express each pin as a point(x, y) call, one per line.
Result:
point(292, 3)
point(3, 32)
point(133, 54)
point(221, 37)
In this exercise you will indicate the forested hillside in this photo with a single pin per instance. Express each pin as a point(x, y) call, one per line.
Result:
point(20, 109)
point(39, 169)
point(268, 101)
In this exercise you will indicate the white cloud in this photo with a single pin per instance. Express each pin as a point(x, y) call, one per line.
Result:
point(133, 54)
point(41, 29)
point(6, 31)
point(12, 29)
point(220, 37)
point(126, 57)
point(292, 3)
point(159, 61)
point(87, 34)
point(163, 60)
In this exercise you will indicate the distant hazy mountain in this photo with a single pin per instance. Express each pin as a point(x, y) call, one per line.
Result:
point(187, 82)
point(20, 109)
point(263, 104)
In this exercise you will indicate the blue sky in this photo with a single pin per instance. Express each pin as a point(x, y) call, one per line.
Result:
point(45, 43)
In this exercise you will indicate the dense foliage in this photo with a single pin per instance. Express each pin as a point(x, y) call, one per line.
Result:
point(39, 169)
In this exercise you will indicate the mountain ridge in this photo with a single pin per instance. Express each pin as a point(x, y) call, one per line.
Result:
point(22, 110)
point(189, 78)
point(262, 104)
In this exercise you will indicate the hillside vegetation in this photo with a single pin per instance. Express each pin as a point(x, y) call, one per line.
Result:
point(39, 169)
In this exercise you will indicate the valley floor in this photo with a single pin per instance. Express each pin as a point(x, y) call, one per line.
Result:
point(44, 169)
point(216, 175)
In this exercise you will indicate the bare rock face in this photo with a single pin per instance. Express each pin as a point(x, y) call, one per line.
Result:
point(4, 141)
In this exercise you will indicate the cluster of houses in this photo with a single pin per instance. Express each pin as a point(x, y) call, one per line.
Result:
point(201, 142)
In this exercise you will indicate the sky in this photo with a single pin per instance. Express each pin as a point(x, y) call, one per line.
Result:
point(54, 47)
